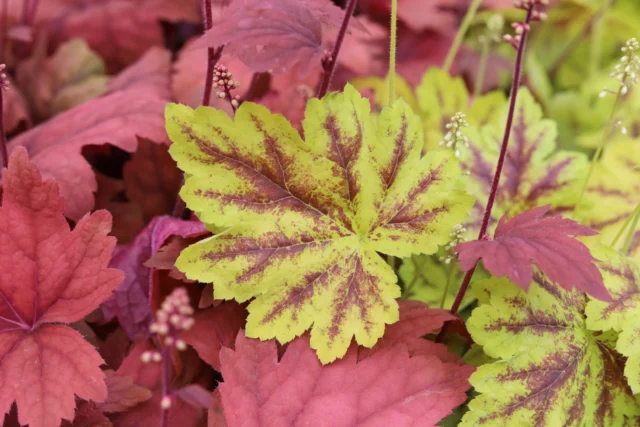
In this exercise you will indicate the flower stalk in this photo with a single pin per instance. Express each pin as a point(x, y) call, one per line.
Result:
point(329, 61)
point(462, 31)
point(4, 86)
point(519, 42)
point(393, 43)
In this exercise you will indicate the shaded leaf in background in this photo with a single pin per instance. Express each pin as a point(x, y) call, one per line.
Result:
point(622, 277)
point(73, 75)
point(307, 218)
point(122, 393)
point(388, 388)
point(51, 276)
point(552, 370)
point(55, 146)
point(534, 173)
point(614, 192)
point(531, 238)
point(15, 109)
point(150, 74)
point(130, 301)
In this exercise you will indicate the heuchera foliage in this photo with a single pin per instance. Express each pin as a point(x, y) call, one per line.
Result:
point(234, 213)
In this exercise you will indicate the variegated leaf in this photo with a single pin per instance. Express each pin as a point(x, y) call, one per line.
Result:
point(306, 218)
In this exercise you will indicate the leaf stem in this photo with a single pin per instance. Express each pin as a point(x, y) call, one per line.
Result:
point(634, 224)
point(635, 212)
point(601, 144)
point(4, 156)
point(462, 31)
point(393, 42)
point(517, 77)
point(446, 286)
point(329, 63)
point(482, 67)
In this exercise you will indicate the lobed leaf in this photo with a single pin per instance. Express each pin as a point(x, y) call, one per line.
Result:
point(50, 276)
point(622, 276)
point(530, 238)
point(552, 370)
point(534, 173)
point(388, 388)
point(306, 218)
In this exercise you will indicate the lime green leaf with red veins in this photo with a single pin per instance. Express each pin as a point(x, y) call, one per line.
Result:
point(531, 238)
point(306, 218)
point(553, 371)
point(50, 276)
point(614, 192)
point(534, 173)
point(622, 277)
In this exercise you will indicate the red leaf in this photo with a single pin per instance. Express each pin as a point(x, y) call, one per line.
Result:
point(55, 146)
point(215, 328)
point(416, 321)
point(197, 396)
point(50, 275)
point(130, 301)
point(151, 74)
point(530, 237)
point(273, 35)
point(389, 388)
point(122, 393)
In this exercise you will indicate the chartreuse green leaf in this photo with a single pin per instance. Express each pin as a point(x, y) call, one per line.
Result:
point(380, 88)
point(622, 278)
point(614, 192)
point(306, 218)
point(552, 371)
point(534, 173)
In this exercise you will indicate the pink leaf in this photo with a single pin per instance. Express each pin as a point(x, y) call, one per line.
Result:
point(50, 275)
point(531, 238)
point(122, 393)
point(150, 74)
point(390, 388)
point(215, 328)
point(130, 301)
point(274, 34)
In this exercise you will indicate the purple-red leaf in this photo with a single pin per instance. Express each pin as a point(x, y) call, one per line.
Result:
point(531, 238)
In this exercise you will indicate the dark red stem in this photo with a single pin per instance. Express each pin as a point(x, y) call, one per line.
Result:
point(213, 54)
point(4, 28)
point(329, 63)
point(166, 382)
point(4, 157)
point(517, 77)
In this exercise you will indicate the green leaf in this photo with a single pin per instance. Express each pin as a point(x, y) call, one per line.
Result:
point(622, 277)
point(534, 173)
point(306, 218)
point(553, 371)
point(614, 192)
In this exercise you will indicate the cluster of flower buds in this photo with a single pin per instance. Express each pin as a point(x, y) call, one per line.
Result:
point(627, 71)
point(457, 237)
point(175, 315)
point(454, 135)
point(224, 83)
point(4, 80)
point(537, 8)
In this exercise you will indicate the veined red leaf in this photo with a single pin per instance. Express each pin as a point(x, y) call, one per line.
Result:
point(130, 301)
point(530, 238)
point(390, 388)
point(122, 393)
point(50, 276)
point(273, 34)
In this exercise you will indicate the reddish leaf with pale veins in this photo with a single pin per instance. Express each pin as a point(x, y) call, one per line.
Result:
point(215, 328)
point(55, 146)
point(416, 321)
point(275, 34)
point(531, 238)
point(151, 74)
point(390, 388)
point(122, 393)
point(130, 301)
point(50, 276)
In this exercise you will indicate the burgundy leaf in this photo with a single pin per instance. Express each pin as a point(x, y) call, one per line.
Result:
point(530, 237)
